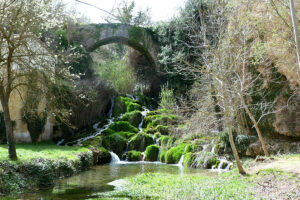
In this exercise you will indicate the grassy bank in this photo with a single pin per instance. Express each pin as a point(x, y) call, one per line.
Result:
point(39, 165)
point(166, 186)
point(230, 185)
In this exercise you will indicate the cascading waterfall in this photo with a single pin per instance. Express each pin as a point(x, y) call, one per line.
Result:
point(96, 127)
point(180, 163)
point(114, 158)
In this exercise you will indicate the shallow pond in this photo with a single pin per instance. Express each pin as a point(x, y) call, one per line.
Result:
point(87, 185)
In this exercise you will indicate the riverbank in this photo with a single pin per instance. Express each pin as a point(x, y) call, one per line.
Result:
point(39, 165)
point(268, 178)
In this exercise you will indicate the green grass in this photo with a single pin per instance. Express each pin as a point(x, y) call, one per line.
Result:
point(167, 186)
point(289, 156)
point(28, 152)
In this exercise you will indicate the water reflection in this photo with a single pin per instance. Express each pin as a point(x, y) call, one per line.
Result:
point(87, 184)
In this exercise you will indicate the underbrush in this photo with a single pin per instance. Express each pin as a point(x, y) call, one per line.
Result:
point(39, 165)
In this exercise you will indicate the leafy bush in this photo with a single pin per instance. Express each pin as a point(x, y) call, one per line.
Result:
point(242, 142)
point(167, 99)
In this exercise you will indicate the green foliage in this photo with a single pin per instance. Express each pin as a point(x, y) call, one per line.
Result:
point(173, 155)
point(242, 142)
point(134, 118)
point(140, 141)
point(167, 98)
point(39, 165)
point(151, 153)
point(119, 74)
point(116, 143)
point(123, 126)
point(188, 159)
point(205, 160)
point(164, 141)
point(102, 156)
point(163, 156)
point(168, 186)
point(134, 155)
point(93, 142)
point(125, 104)
point(34, 118)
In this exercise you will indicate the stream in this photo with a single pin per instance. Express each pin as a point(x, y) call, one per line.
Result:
point(88, 185)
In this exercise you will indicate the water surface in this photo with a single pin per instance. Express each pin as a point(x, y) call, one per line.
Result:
point(87, 185)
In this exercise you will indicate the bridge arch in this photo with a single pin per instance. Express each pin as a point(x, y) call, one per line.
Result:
point(93, 36)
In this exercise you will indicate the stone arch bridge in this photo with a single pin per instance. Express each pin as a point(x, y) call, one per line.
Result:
point(93, 36)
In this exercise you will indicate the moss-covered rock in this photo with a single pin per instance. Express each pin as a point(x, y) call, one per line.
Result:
point(119, 107)
point(123, 126)
point(93, 142)
point(134, 155)
point(151, 153)
point(205, 160)
point(116, 143)
point(188, 159)
point(140, 141)
point(164, 130)
point(163, 140)
point(173, 155)
point(101, 155)
point(163, 155)
point(125, 104)
point(134, 118)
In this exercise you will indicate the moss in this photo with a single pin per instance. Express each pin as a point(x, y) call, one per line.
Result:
point(125, 104)
point(134, 118)
point(119, 107)
point(101, 156)
point(147, 101)
point(140, 141)
point(206, 160)
point(93, 142)
point(151, 153)
point(116, 143)
point(164, 130)
point(134, 156)
point(136, 34)
point(188, 159)
point(163, 140)
point(173, 155)
point(162, 156)
point(123, 126)
point(157, 135)
point(133, 107)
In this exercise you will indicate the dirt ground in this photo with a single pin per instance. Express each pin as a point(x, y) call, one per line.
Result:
point(276, 185)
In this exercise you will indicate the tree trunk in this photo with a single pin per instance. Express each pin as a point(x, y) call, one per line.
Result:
point(261, 139)
point(296, 35)
point(231, 140)
point(9, 130)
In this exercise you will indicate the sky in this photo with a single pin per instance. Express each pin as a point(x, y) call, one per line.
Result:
point(161, 10)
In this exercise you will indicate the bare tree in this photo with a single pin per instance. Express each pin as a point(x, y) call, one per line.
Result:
point(22, 24)
point(295, 27)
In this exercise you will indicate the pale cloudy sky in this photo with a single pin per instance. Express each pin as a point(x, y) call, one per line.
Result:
point(161, 10)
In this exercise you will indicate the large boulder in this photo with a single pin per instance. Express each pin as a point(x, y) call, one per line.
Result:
point(101, 156)
point(140, 141)
point(134, 155)
point(151, 153)
point(134, 118)
point(115, 143)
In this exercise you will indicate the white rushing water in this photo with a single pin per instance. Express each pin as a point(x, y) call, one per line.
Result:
point(223, 166)
point(96, 125)
point(114, 158)
point(180, 163)
point(144, 114)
